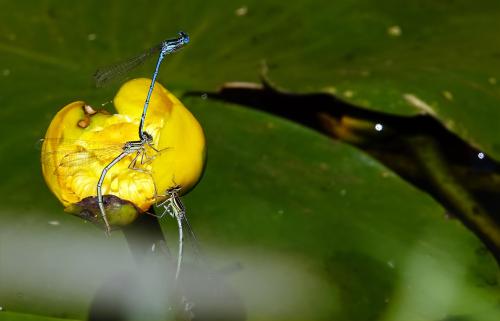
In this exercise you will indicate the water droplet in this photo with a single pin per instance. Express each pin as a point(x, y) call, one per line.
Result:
point(447, 95)
point(379, 127)
point(348, 93)
point(343, 192)
point(6, 72)
point(1, 308)
point(54, 223)
point(480, 155)
point(419, 104)
point(331, 90)
point(91, 36)
point(324, 166)
point(204, 96)
point(394, 31)
point(280, 212)
point(241, 11)
point(390, 264)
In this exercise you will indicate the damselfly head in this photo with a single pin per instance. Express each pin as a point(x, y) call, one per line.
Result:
point(184, 37)
point(174, 190)
point(172, 45)
point(146, 137)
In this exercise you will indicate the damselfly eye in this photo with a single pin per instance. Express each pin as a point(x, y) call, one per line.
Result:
point(185, 37)
point(174, 190)
point(147, 137)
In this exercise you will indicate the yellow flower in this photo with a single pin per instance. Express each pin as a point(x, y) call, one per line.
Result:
point(80, 142)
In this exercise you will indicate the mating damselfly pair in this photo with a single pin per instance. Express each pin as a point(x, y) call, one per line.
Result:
point(67, 156)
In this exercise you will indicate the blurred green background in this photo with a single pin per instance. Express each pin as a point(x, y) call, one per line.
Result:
point(321, 229)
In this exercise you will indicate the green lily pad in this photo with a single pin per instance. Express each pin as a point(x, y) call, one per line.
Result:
point(423, 57)
point(321, 230)
point(377, 248)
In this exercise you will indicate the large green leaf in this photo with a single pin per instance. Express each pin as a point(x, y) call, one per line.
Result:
point(446, 55)
point(443, 60)
point(322, 230)
point(385, 250)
